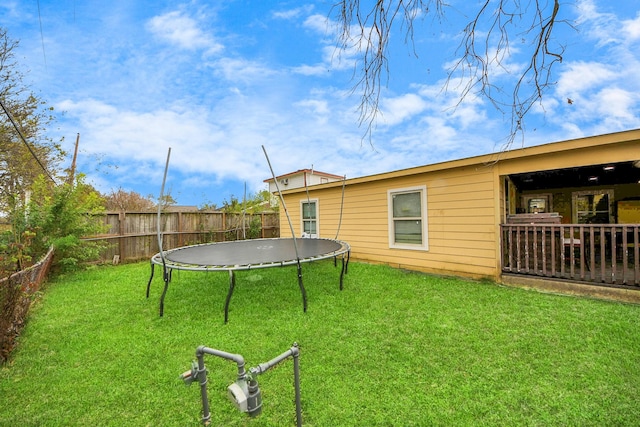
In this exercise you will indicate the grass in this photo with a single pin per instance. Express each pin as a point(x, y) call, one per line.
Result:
point(392, 349)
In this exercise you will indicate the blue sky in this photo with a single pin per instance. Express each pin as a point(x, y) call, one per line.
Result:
point(217, 80)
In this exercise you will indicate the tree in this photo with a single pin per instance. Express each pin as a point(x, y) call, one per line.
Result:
point(484, 49)
point(121, 200)
point(25, 151)
point(255, 203)
point(60, 215)
point(42, 212)
point(242, 214)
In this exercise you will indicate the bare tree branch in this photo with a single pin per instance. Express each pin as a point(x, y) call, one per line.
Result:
point(368, 33)
point(484, 51)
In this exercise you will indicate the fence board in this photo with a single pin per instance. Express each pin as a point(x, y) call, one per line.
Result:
point(132, 236)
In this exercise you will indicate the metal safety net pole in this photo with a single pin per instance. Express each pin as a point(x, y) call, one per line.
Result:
point(293, 233)
point(344, 180)
point(165, 274)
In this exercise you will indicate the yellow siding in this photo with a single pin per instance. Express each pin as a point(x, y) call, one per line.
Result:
point(460, 219)
point(465, 204)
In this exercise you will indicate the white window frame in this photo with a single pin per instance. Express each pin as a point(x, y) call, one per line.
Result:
point(576, 194)
point(317, 219)
point(424, 246)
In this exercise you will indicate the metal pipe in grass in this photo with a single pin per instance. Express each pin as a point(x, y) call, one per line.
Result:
point(202, 350)
point(296, 384)
point(293, 352)
point(201, 375)
point(244, 392)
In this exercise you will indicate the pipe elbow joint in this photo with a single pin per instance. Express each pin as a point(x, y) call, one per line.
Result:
point(200, 351)
point(295, 351)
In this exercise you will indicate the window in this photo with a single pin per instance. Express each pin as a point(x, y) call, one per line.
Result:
point(309, 217)
point(592, 207)
point(408, 218)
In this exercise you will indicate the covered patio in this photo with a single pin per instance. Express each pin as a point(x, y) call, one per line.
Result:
point(580, 224)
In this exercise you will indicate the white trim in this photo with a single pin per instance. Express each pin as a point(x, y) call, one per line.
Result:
point(317, 220)
point(424, 246)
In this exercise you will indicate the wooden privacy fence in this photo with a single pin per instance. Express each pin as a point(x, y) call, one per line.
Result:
point(132, 236)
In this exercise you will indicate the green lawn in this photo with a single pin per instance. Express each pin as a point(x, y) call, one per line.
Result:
point(392, 349)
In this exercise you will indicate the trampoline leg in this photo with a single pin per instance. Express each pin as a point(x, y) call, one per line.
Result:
point(345, 267)
point(304, 293)
point(150, 279)
point(232, 284)
point(166, 275)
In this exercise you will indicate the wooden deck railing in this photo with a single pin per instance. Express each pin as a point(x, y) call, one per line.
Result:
point(599, 253)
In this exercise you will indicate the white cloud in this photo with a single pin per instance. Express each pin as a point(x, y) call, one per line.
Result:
point(293, 13)
point(398, 109)
point(242, 70)
point(616, 103)
point(317, 107)
point(602, 27)
point(311, 70)
point(181, 30)
point(470, 114)
point(599, 95)
point(210, 143)
point(580, 77)
point(334, 58)
point(319, 23)
point(631, 27)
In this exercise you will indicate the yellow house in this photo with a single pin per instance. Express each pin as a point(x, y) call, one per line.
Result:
point(557, 216)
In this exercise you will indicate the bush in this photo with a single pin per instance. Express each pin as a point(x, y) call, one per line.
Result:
point(255, 228)
point(59, 216)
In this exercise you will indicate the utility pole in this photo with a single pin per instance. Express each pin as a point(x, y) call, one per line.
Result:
point(72, 173)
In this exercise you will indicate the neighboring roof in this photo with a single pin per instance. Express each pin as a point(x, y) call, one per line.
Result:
point(488, 159)
point(308, 171)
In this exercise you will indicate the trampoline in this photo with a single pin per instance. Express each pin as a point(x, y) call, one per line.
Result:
point(248, 255)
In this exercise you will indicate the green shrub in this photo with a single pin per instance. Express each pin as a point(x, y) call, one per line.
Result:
point(255, 228)
point(59, 216)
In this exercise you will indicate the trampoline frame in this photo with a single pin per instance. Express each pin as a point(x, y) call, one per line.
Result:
point(162, 258)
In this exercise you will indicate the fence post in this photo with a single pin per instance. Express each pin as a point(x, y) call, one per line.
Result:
point(121, 247)
point(224, 226)
point(180, 239)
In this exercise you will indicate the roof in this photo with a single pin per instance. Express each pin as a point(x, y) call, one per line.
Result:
point(518, 153)
point(306, 171)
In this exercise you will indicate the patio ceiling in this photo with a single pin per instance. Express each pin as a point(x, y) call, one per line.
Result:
point(585, 176)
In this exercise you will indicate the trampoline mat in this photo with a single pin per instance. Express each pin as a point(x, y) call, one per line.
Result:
point(253, 252)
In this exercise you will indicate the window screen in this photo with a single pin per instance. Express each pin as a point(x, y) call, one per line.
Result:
point(407, 218)
point(309, 218)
